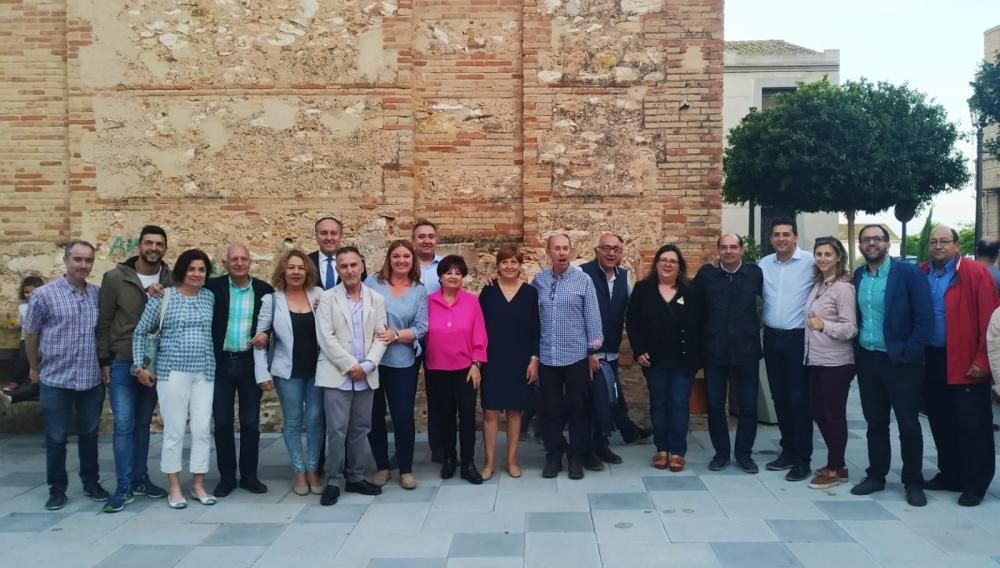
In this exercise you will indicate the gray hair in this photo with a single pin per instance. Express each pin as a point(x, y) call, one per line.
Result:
point(615, 235)
point(68, 248)
point(236, 244)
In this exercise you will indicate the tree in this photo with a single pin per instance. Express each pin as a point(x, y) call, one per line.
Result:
point(858, 147)
point(925, 236)
point(967, 240)
point(985, 100)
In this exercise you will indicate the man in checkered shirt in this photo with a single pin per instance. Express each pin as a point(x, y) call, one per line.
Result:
point(61, 343)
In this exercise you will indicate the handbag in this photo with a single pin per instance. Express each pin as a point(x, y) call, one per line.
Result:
point(153, 337)
point(270, 335)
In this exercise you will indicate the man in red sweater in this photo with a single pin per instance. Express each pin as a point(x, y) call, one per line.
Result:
point(957, 385)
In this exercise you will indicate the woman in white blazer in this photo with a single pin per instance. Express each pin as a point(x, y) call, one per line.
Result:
point(287, 363)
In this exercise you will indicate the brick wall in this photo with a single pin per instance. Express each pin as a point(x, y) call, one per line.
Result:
point(502, 120)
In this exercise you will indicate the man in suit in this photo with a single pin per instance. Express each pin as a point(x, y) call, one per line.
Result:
point(613, 287)
point(329, 232)
point(347, 373)
point(234, 323)
point(894, 326)
point(957, 385)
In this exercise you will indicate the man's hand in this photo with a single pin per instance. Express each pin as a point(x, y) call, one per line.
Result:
point(267, 386)
point(155, 290)
point(532, 373)
point(595, 365)
point(356, 373)
point(34, 376)
point(261, 340)
point(474, 377)
point(643, 360)
point(106, 374)
point(145, 378)
point(975, 372)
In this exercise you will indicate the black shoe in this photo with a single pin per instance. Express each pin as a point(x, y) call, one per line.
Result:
point(718, 463)
point(940, 483)
point(748, 465)
point(915, 496)
point(782, 463)
point(552, 468)
point(471, 474)
point(330, 496)
point(96, 493)
point(607, 456)
point(969, 499)
point(448, 468)
point(253, 485)
point(798, 472)
point(636, 436)
point(363, 487)
point(57, 500)
point(224, 488)
point(868, 486)
point(591, 462)
point(438, 457)
point(575, 470)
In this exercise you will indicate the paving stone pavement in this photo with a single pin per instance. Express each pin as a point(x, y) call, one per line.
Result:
point(629, 516)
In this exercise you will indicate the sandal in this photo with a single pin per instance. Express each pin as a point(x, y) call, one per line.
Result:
point(661, 460)
point(677, 463)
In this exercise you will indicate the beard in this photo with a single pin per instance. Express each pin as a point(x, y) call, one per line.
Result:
point(870, 256)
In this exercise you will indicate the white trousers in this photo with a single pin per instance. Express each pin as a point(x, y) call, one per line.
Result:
point(183, 395)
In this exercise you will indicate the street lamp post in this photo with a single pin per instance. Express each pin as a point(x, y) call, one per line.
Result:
point(979, 180)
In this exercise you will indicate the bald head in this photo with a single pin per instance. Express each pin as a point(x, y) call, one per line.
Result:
point(942, 245)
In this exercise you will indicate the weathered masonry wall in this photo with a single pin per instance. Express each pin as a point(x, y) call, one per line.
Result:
point(501, 120)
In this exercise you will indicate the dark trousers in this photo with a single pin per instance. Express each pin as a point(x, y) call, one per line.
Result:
point(884, 386)
point(21, 367)
point(566, 401)
point(786, 375)
point(828, 388)
point(234, 377)
point(745, 379)
point(448, 393)
point(57, 405)
point(398, 387)
point(669, 406)
point(961, 420)
point(622, 422)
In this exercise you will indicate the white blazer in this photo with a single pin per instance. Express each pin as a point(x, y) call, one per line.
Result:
point(336, 335)
point(281, 329)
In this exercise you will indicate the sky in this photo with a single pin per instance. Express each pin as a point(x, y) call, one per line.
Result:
point(933, 45)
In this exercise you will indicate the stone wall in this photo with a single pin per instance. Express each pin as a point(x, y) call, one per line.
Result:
point(501, 120)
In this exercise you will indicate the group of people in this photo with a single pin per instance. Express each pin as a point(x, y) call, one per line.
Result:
point(341, 346)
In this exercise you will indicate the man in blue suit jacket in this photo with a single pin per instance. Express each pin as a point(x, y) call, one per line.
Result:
point(894, 327)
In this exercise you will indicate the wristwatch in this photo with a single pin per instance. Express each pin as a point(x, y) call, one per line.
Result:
point(477, 364)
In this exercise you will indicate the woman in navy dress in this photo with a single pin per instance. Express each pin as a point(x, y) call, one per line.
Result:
point(510, 308)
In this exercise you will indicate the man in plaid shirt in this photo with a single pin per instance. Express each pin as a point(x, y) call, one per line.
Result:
point(62, 354)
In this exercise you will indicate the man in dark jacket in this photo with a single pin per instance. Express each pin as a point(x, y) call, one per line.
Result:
point(732, 348)
point(123, 294)
point(234, 323)
point(894, 325)
point(613, 288)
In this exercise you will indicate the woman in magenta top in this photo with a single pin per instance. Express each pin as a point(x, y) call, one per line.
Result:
point(456, 347)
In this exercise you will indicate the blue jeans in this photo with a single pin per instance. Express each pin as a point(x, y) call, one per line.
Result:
point(296, 394)
point(132, 406)
point(398, 387)
point(57, 405)
point(669, 406)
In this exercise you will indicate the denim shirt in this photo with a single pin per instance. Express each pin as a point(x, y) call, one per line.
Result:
point(408, 311)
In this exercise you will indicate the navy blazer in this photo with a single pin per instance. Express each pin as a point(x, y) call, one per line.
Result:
point(314, 257)
point(909, 312)
point(220, 319)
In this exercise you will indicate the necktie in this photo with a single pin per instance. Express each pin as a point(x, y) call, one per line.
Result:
point(331, 280)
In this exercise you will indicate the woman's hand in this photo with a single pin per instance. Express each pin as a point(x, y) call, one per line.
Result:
point(643, 360)
point(261, 340)
point(532, 374)
point(814, 323)
point(145, 378)
point(474, 377)
point(267, 386)
point(387, 335)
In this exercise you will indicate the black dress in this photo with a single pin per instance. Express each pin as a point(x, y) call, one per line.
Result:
point(513, 329)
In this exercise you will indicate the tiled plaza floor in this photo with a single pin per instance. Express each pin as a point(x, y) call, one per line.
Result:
point(629, 516)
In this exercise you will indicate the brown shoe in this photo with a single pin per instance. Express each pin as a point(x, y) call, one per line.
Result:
point(677, 463)
point(842, 472)
point(661, 460)
point(407, 481)
point(382, 477)
point(486, 472)
point(825, 479)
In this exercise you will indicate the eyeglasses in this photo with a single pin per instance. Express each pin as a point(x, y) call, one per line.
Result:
point(606, 249)
point(939, 242)
point(872, 240)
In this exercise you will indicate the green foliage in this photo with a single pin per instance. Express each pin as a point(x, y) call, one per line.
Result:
point(925, 235)
point(913, 246)
point(857, 147)
point(967, 240)
point(985, 99)
point(752, 251)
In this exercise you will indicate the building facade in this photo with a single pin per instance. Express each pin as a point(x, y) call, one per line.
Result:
point(991, 167)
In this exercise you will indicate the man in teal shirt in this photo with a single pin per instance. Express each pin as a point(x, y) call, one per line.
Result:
point(894, 321)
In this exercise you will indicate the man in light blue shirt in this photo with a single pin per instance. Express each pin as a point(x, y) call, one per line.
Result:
point(788, 280)
point(424, 236)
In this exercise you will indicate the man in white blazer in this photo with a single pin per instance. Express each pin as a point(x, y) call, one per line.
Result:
point(347, 373)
